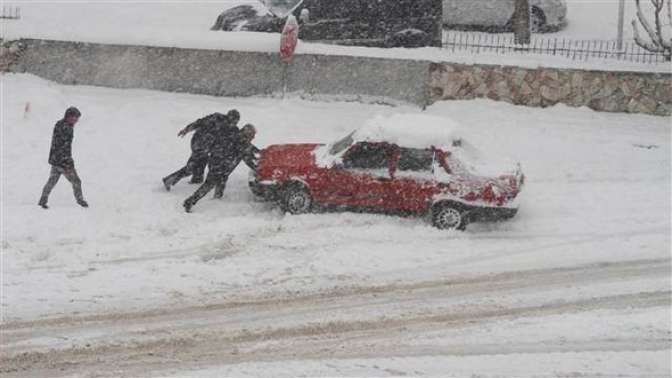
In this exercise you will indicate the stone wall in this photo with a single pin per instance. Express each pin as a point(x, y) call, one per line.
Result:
point(212, 72)
point(225, 73)
point(631, 92)
point(360, 78)
point(232, 73)
point(10, 52)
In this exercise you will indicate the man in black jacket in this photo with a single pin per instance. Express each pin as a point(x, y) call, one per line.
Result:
point(201, 143)
point(230, 147)
point(60, 158)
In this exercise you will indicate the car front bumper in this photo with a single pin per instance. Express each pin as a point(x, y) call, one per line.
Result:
point(490, 214)
point(267, 190)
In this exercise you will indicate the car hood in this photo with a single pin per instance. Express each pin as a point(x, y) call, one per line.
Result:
point(289, 155)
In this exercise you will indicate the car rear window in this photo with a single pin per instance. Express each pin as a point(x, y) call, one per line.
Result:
point(368, 156)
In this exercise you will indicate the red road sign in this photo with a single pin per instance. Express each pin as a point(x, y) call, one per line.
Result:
point(289, 39)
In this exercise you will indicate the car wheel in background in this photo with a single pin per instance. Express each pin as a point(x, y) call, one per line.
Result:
point(297, 199)
point(537, 20)
point(408, 38)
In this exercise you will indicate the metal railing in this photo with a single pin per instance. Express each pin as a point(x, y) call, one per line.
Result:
point(578, 50)
point(10, 13)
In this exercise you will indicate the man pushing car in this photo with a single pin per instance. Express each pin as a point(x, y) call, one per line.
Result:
point(205, 130)
point(230, 146)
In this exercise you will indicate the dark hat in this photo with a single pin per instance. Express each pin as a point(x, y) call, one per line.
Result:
point(249, 126)
point(233, 113)
point(72, 112)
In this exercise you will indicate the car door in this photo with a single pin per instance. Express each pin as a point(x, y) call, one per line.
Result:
point(363, 180)
point(412, 187)
point(452, 12)
point(334, 20)
point(480, 12)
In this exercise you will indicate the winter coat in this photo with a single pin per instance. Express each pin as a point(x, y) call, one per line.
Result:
point(230, 147)
point(60, 154)
point(204, 135)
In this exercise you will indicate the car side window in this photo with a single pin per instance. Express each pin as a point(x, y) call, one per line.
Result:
point(415, 164)
point(416, 160)
point(368, 156)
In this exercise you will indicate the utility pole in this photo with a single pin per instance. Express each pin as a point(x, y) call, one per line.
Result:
point(621, 15)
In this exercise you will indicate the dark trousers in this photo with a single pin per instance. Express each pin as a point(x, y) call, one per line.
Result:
point(195, 168)
point(212, 181)
point(55, 174)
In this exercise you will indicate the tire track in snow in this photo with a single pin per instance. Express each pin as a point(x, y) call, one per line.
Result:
point(338, 316)
point(315, 341)
point(537, 278)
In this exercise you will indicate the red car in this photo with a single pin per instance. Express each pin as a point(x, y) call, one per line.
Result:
point(410, 164)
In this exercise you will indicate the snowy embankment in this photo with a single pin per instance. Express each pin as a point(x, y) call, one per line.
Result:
point(596, 204)
point(156, 23)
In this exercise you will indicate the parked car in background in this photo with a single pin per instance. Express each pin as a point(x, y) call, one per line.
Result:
point(409, 164)
point(496, 15)
point(383, 23)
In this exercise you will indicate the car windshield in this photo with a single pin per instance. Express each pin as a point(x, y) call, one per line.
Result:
point(281, 7)
point(342, 144)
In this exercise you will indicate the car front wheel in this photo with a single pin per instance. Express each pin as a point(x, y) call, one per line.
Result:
point(297, 200)
point(448, 217)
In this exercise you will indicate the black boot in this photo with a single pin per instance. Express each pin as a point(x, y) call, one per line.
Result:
point(43, 203)
point(82, 203)
point(166, 184)
point(187, 206)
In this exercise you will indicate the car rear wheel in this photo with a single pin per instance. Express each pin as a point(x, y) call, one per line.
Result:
point(408, 38)
point(297, 199)
point(448, 216)
point(537, 20)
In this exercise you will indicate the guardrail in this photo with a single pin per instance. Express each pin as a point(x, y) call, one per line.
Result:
point(10, 13)
point(580, 50)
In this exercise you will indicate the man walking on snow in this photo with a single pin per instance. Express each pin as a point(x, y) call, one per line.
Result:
point(231, 145)
point(201, 143)
point(60, 158)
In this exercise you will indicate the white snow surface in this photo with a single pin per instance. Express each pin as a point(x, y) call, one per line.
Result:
point(176, 24)
point(597, 192)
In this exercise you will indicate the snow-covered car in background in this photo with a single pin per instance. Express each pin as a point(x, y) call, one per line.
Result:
point(408, 164)
point(496, 15)
point(384, 23)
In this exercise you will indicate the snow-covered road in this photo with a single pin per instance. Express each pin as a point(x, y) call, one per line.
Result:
point(585, 263)
point(595, 310)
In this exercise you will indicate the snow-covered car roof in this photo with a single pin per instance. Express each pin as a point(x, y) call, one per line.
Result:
point(409, 130)
point(419, 131)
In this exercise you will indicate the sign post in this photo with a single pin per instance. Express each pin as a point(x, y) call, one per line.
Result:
point(621, 14)
point(288, 42)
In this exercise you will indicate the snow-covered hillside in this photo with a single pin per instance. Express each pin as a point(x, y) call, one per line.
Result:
point(585, 263)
